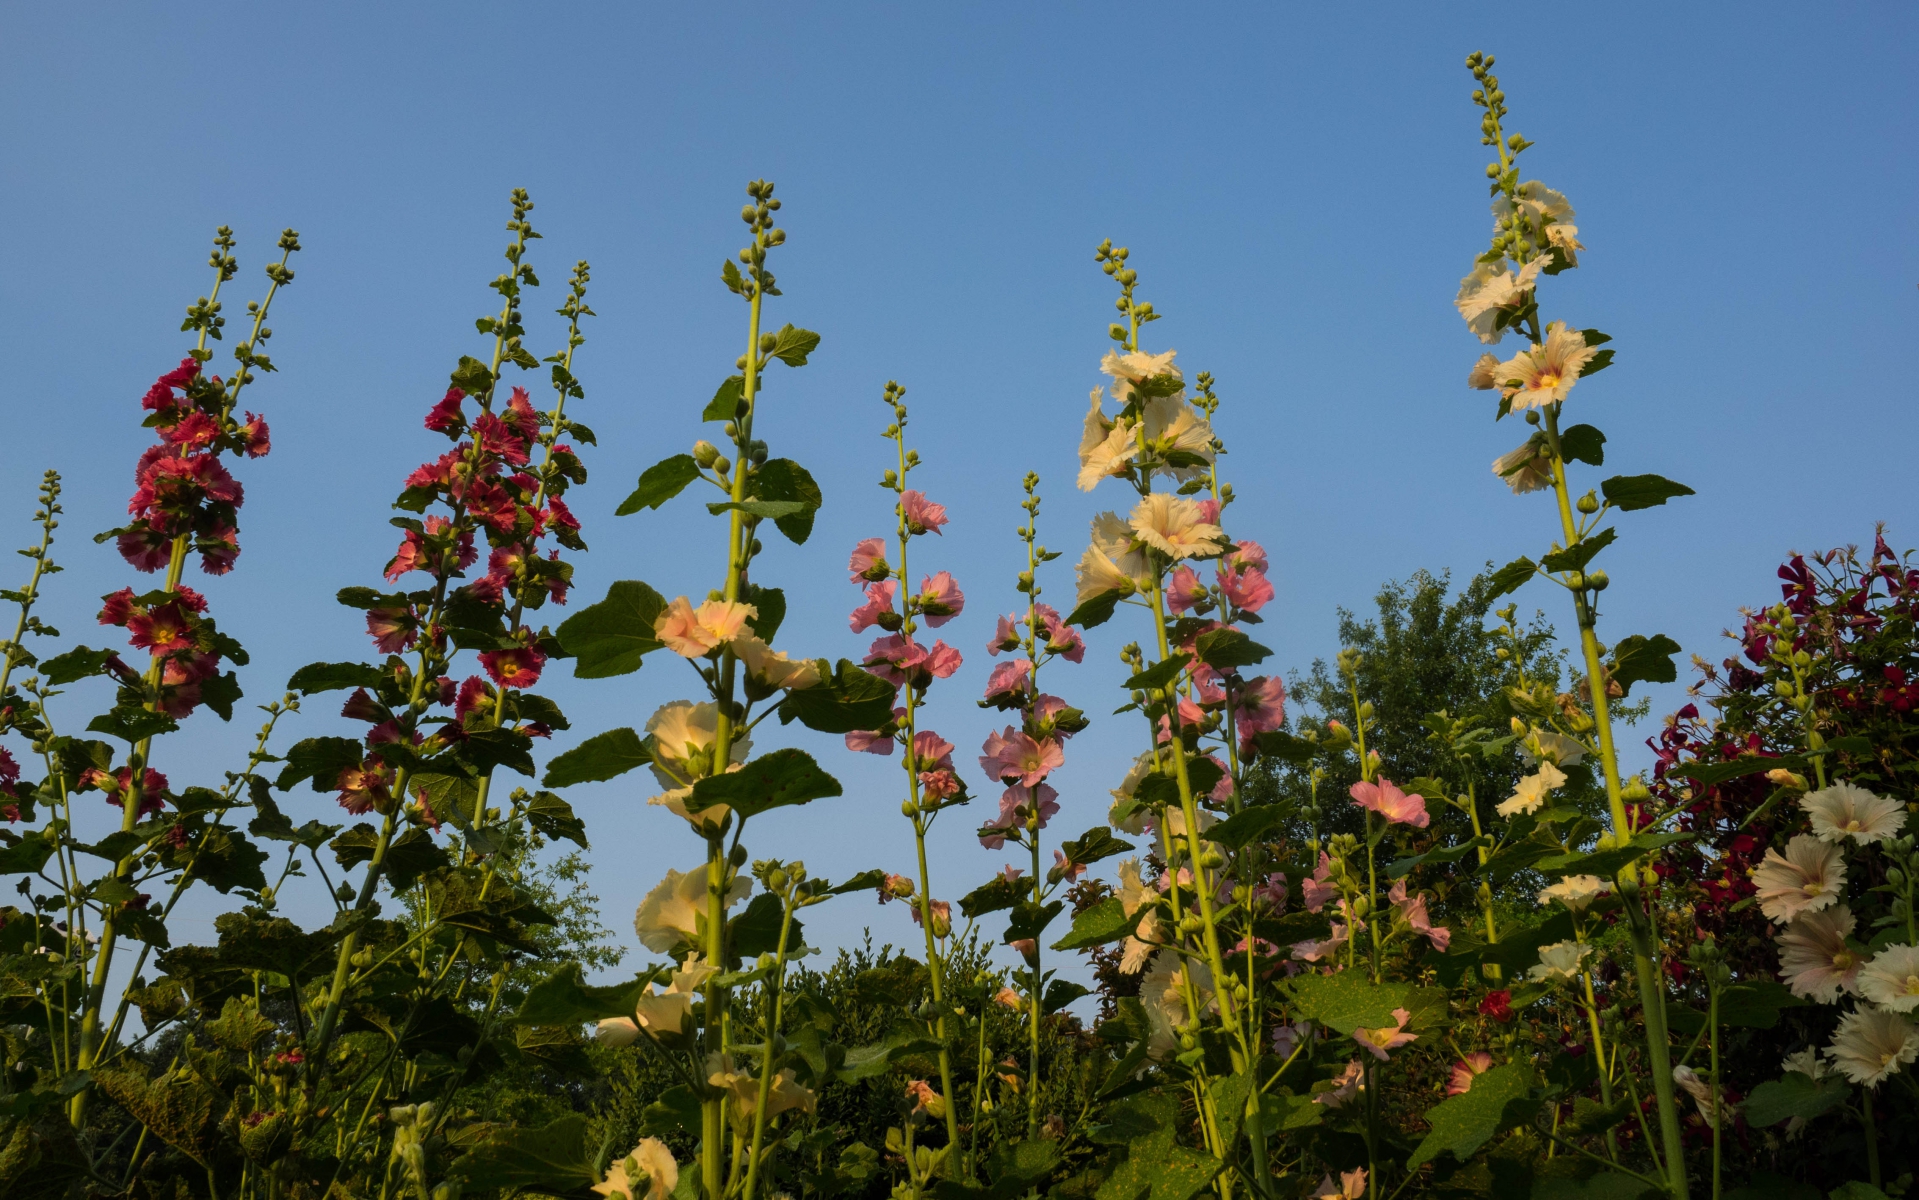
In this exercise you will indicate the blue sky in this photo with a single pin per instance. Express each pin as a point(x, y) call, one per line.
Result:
point(1301, 187)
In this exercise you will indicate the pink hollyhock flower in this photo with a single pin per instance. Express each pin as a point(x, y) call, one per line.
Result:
point(1062, 639)
point(392, 630)
point(942, 916)
point(1327, 948)
point(473, 693)
point(160, 396)
point(942, 660)
point(1015, 756)
point(1466, 1070)
point(189, 599)
point(1247, 556)
point(1027, 947)
point(1007, 685)
point(940, 599)
point(1017, 800)
point(1065, 868)
point(1247, 590)
point(895, 887)
point(559, 516)
point(1287, 1038)
point(1315, 892)
point(880, 598)
point(163, 629)
point(521, 415)
point(1350, 1081)
point(117, 608)
point(922, 515)
point(218, 548)
point(516, 668)
point(931, 751)
point(1005, 635)
point(1387, 1037)
point(195, 431)
point(446, 414)
point(1206, 683)
point(1413, 909)
point(1273, 891)
point(1351, 1186)
point(1389, 802)
point(1185, 591)
point(894, 658)
point(1260, 706)
point(868, 562)
point(1209, 511)
point(939, 785)
point(1051, 716)
point(865, 741)
point(153, 786)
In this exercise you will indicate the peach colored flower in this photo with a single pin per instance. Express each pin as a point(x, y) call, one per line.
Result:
point(696, 632)
point(1543, 375)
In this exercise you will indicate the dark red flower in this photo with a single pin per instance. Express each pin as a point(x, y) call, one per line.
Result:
point(117, 607)
point(473, 693)
point(1497, 1005)
point(516, 668)
point(393, 629)
point(163, 629)
point(259, 440)
point(446, 415)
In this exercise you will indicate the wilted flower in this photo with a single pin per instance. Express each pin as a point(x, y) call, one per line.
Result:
point(1700, 1091)
point(1559, 962)
point(1350, 1081)
point(1845, 810)
point(1576, 892)
point(1498, 1005)
point(648, 1173)
point(1466, 1070)
point(1810, 876)
point(1288, 1038)
point(1871, 1044)
point(942, 916)
point(1891, 979)
point(1388, 801)
point(1814, 959)
point(1528, 468)
point(926, 1101)
point(1531, 791)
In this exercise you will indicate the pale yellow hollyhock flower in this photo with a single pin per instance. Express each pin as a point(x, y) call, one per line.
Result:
point(1555, 748)
point(1532, 791)
point(1814, 959)
point(1808, 877)
point(1846, 810)
point(1132, 893)
point(1172, 424)
point(771, 668)
point(1543, 375)
point(1807, 1062)
point(648, 1173)
point(1559, 962)
point(1174, 526)
point(1489, 288)
point(743, 1089)
point(674, 910)
point(1162, 992)
point(1528, 468)
point(1112, 562)
point(1871, 1044)
point(668, 1011)
point(1891, 979)
point(1136, 367)
point(1576, 892)
point(1134, 823)
point(1565, 239)
point(1105, 447)
point(682, 734)
point(1484, 374)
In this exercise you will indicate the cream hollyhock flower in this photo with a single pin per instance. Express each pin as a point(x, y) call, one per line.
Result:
point(1491, 287)
point(1814, 959)
point(1807, 1062)
point(1871, 1044)
point(1576, 892)
point(1136, 367)
point(1809, 876)
point(1484, 375)
point(1532, 791)
point(772, 670)
point(1172, 425)
point(1529, 468)
point(680, 737)
point(695, 632)
point(1891, 979)
point(668, 1011)
point(1700, 1091)
point(1845, 810)
point(1162, 992)
point(675, 909)
point(1565, 239)
point(1135, 821)
point(1112, 562)
point(647, 1173)
point(1559, 962)
point(1132, 893)
point(1543, 375)
point(1105, 447)
point(1175, 526)
point(1555, 748)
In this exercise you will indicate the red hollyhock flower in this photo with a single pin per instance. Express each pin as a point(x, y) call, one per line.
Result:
point(259, 440)
point(362, 787)
point(446, 417)
point(394, 630)
point(195, 431)
point(218, 547)
point(153, 786)
point(473, 693)
point(498, 440)
point(117, 607)
point(516, 668)
point(521, 415)
point(163, 629)
point(490, 504)
point(1902, 694)
point(1497, 1005)
point(145, 549)
point(361, 706)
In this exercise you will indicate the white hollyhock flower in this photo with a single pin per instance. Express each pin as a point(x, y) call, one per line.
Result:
point(647, 1173)
point(1532, 791)
point(675, 909)
point(1136, 367)
point(1132, 893)
point(682, 734)
point(1808, 877)
point(1891, 979)
point(1543, 375)
point(1491, 287)
point(1576, 892)
point(1528, 468)
point(1105, 447)
point(1559, 962)
point(1846, 810)
point(1814, 959)
point(1112, 562)
point(1871, 1044)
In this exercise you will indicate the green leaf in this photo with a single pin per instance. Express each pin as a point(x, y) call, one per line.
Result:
point(1754, 1005)
point(1585, 444)
point(784, 481)
point(26, 856)
point(320, 759)
point(1462, 1124)
point(1510, 577)
point(756, 930)
point(677, 1111)
point(1645, 658)
point(847, 700)
point(725, 404)
point(366, 597)
point(1104, 922)
point(1159, 674)
point(1445, 854)
point(1030, 920)
point(1857, 1189)
point(1247, 825)
point(510, 1158)
point(554, 819)
point(865, 881)
point(410, 856)
point(1576, 556)
point(602, 756)
point(1629, 493)
point(1279, 744)
point(1097, 843)
point(1229, 649)
point(994, 895)
point(1714, 774)
point(1606, 863)
point(776, 780)
point(132, 724)
point(275, 826)
point(563, 999)
point(772, 509)
point(659, 483)
point(332, 677)
point(610, 638)
point(226, 860)
point(472, 376)
point(791, 346)
point(1060, 993)
point(1095, 610)
point(1349, 1001)
point(769, 603)
point(76, 664)
point(485, 749)
point(1152, 1165)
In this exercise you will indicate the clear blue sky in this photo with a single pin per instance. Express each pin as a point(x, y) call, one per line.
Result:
point(1301, 189)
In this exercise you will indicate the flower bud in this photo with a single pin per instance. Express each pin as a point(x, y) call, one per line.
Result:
point(1589, 503)
point(705, 453)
